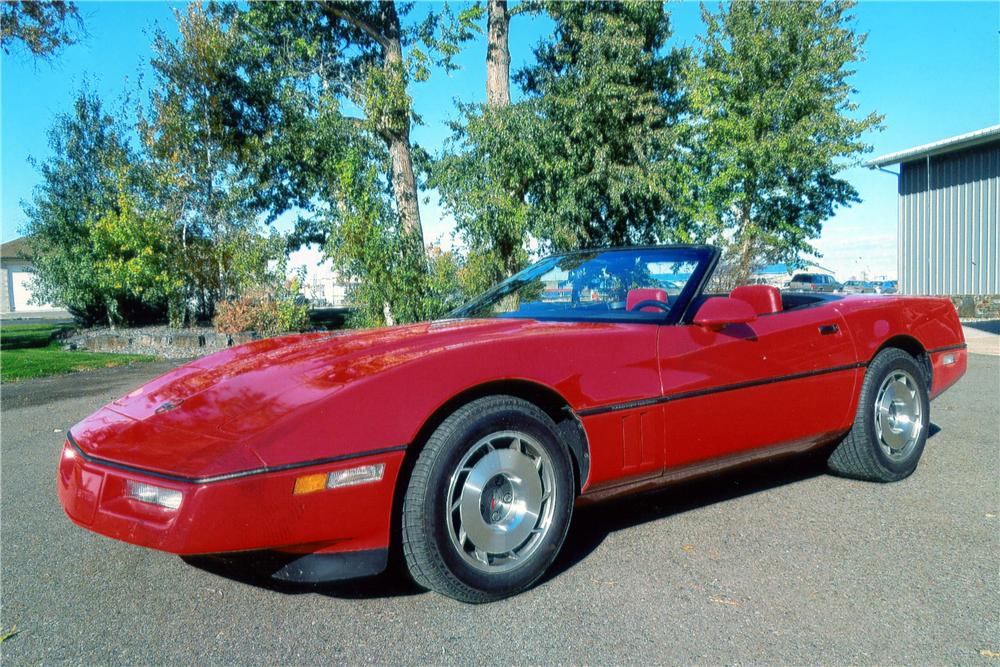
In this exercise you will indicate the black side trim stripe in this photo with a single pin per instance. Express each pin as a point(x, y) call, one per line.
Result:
point(230, 475)
point(960, 346)
point(629, 405)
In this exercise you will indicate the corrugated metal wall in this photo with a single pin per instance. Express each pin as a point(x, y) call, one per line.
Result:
point(949, 226)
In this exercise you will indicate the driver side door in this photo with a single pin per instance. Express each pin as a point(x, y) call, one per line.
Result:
point(784, 380)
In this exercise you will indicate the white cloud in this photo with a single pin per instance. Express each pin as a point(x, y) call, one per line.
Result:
point(851, 255)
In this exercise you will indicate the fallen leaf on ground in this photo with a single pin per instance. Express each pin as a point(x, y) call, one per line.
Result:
point(687, 547)
point(721, 600)
point(4, 636)
point(986, 653)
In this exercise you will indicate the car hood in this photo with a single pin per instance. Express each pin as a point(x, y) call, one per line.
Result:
point(222, 401)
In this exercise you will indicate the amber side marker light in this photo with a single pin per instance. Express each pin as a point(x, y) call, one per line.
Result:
point(339, 478)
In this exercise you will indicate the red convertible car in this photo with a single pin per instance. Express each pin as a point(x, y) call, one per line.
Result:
point(467, 442)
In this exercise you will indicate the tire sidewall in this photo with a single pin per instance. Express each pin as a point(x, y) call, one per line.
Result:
point(458, 443)
point(878, 370)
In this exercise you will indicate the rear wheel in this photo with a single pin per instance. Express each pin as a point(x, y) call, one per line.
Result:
point(891, 423)
point(489, 501)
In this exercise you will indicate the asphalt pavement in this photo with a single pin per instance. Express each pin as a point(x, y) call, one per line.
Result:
point(780, 564)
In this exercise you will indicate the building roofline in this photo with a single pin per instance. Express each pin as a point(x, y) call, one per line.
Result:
point(15, 248)
point(948, 145)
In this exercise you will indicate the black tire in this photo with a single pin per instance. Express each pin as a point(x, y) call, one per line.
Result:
point(432, 556)
point(860, 454)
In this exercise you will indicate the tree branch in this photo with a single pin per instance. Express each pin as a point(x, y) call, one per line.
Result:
point(336, 10)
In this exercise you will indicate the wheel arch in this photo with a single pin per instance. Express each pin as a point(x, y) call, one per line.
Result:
point(568, 424)
point(915, 349)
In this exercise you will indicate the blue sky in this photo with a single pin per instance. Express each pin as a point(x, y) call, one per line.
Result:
point(933, 70)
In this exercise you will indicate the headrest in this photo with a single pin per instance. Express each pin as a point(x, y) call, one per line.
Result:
point(764, 299)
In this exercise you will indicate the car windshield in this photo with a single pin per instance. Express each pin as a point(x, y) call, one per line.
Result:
point(625, 284)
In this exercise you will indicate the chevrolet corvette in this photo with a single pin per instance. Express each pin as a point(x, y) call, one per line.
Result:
point(466, 443)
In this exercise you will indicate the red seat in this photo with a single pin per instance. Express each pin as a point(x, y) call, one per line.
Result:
point(646, 294)
point(764, 299)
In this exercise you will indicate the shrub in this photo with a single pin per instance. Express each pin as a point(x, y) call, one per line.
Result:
point(261, 311)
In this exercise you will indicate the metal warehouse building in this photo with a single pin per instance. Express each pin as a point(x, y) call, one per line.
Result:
point(949, 215)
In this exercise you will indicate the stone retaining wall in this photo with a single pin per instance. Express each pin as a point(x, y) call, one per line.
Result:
point(979, 306)
point(158, 341)
point(162, 341)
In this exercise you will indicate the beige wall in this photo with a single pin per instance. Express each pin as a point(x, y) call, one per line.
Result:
point(5, 296)
point(15, 292)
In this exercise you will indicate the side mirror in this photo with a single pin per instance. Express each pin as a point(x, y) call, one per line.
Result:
point(719, 311)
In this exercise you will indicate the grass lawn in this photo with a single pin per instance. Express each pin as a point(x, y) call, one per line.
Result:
point(31, 351)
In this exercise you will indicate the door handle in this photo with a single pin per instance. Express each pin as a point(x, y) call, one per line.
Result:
point(828, 329)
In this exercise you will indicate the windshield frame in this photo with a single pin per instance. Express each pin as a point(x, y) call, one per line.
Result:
point(705, 257)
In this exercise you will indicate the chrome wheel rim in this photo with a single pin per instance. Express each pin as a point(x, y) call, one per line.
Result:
point(501, 499)
point(898, 415)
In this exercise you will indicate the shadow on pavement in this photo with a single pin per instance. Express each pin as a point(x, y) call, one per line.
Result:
point(255, 569)
point(590, 526)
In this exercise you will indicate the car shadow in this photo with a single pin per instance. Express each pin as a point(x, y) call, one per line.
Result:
point(255, 569)
point(593, 524)
point(590, 527)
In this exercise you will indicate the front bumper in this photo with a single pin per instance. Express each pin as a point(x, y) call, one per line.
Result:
point(248, 513)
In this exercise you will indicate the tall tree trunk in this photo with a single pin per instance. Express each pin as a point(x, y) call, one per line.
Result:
point(497, 54)
point(404, 182)
point(746, 252)
point(498, 93)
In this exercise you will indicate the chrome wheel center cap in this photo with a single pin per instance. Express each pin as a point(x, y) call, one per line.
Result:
point(496, 499)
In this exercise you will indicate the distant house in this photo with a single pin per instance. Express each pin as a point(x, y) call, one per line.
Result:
point(16, 272)
point(327, 289)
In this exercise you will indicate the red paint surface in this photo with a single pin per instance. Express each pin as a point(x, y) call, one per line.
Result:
point(299, 398)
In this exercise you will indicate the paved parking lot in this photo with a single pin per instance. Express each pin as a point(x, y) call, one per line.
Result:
point(778, 565)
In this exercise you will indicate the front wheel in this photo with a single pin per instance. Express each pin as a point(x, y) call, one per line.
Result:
point(489, 502)
point(891, 423)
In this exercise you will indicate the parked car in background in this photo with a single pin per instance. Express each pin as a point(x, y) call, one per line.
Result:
point(859, 287)
point(814, 282)
point(887, 287)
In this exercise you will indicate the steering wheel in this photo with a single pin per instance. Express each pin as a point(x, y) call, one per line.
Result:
point(663, 305)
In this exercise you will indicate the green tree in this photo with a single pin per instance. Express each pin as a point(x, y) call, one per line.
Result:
point(774, 123)
point(587, 158)
point(41, 27)
point(90, 180)
point(328, 98)
point(200, 156)
point(605, 91)
point(482, 174)
point(133, 251)
point(483, 179)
